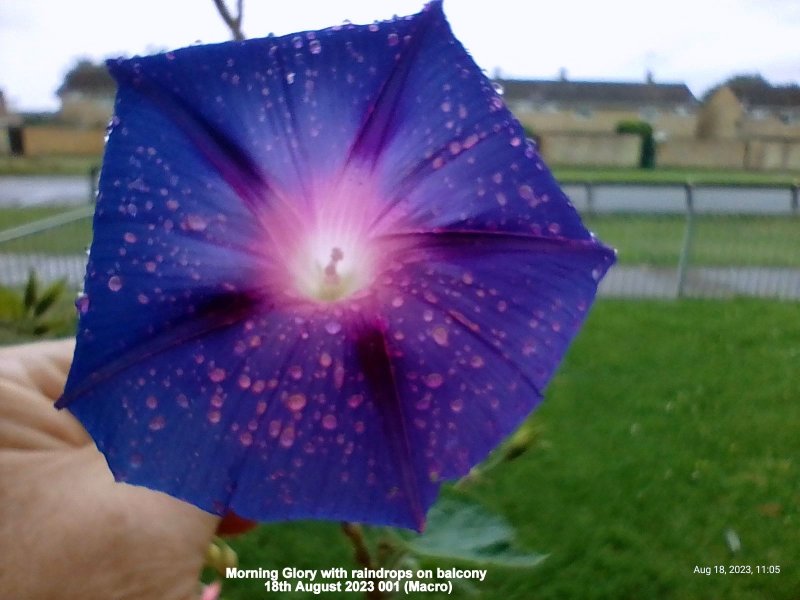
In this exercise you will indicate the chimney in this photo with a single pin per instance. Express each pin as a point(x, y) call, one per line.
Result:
point(649, 76)
point(562, 74)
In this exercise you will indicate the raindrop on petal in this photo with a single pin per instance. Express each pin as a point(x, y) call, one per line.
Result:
point(296, 402)
point(434, 380)
point(216, 375)
point(114, 283)
point(195, 223)
point(287, 437)
point(82, 303)
point(440, 336)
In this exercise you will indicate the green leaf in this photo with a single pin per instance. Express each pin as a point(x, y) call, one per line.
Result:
point(29, 297)
point(459, 529)
point(49, 297)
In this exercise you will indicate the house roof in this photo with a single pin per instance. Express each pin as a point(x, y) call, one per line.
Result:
point(766, 96)
point(596, 93)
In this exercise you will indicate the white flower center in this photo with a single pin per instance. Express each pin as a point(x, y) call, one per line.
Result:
point(327, 271)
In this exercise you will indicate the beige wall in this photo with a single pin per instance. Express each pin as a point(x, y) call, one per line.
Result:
point(603, 121)
point(674, 125)
point(764, 155)
point(757, 155)
point(770, 127)
point(793, 156)
point(590, 150)
point(772, 155)
point(565, 121)
point(688, 152)
point(50, 140)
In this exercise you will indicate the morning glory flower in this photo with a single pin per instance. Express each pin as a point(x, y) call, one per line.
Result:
point(328, 273)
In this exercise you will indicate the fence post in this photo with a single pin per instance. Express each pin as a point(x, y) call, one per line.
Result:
point(688, 234)
point(94, 172)
point(589, 198)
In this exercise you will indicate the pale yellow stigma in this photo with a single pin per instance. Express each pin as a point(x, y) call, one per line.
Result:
point(328, 272)
point(334, 286)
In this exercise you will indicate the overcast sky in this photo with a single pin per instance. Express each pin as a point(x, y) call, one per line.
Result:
point(700, 42)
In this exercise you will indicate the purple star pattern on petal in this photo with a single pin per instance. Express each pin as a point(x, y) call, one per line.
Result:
point(328, 273)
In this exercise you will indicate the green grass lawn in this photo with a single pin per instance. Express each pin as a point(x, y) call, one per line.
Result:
point(669, 424)
point(70, 238)
point(48, 165)
point(664, 175)
point(718, 240)
point(11, 217)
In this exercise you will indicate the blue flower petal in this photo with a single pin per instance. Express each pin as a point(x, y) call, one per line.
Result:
point(275, 417)
point(240, 180)
point(477, 324)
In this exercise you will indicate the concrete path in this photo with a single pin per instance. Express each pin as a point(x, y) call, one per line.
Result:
point(627, 281)
point(38, 190)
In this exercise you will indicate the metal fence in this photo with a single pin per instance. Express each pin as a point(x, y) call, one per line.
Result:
point(53, 247)
point(673, 240)
point(696, 240)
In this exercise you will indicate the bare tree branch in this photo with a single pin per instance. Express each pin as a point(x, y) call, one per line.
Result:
point(233, 23)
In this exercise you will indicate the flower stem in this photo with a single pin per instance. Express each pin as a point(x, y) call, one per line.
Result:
point(361, 553)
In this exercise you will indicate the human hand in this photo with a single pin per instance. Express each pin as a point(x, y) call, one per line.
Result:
point(67, 529)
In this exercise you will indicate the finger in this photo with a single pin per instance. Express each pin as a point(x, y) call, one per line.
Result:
point(41, 365)
point(28, 421)
point(68, 530)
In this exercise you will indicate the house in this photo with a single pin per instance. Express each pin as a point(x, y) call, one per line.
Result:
point(563, 106)
point(87, 96)
point(749, 108)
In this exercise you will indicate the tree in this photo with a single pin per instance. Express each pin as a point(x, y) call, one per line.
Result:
point(742, 81)
point(89, 79)
point(234, 23)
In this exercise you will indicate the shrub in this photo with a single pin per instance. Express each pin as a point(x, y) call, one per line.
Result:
point(647, 159)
